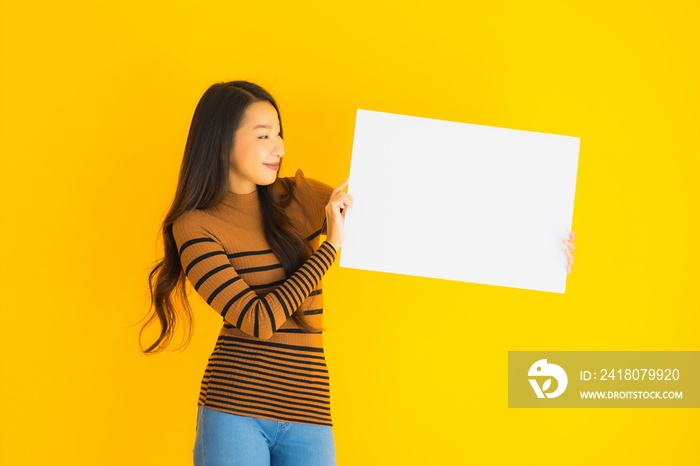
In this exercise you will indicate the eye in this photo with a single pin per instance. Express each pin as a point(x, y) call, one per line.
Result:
point(263, 137)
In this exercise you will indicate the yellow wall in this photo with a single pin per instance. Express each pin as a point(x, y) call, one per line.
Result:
point(96, 102)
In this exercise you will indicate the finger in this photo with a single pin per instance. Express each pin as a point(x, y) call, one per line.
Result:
point(342, 198)
point(337, 207)
point(568, 269)
point(347, 200)
point(569, 257)
point(342, 185)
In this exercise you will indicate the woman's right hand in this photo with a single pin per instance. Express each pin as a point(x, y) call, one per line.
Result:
point(337, 207)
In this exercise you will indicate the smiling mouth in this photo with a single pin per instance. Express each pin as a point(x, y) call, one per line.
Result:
point(272, 166)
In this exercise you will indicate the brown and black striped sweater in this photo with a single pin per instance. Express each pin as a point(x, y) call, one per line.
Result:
point(263, 364)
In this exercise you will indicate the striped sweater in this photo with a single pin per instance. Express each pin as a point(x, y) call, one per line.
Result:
point(263, 365)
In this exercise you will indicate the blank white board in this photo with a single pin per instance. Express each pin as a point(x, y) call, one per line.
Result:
point(459, 201)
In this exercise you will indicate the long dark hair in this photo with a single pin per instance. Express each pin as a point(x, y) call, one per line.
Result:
point(203, 183)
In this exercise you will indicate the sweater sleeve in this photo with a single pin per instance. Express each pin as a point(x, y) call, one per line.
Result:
point(313, 193)
point(212, 275)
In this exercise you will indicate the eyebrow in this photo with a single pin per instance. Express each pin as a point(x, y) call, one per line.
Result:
point(262, 126)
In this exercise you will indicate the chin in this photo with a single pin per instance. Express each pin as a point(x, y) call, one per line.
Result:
point(267, 181)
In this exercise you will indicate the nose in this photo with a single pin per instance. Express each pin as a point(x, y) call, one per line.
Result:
point(279, 150)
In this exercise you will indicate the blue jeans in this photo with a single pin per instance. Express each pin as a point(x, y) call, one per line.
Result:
point(229, 440)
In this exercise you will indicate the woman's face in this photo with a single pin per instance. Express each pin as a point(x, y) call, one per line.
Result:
point(257, 149)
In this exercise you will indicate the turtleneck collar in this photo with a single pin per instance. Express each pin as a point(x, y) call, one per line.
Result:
point(232, 199)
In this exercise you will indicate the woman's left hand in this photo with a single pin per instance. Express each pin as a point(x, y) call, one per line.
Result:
point(569, 249)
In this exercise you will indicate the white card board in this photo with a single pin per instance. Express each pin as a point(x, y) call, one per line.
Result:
point(459, 201)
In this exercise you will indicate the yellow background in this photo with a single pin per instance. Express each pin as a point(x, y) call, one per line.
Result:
point(96, 102)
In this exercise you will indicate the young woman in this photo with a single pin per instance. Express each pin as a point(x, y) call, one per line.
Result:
point(250, 245)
